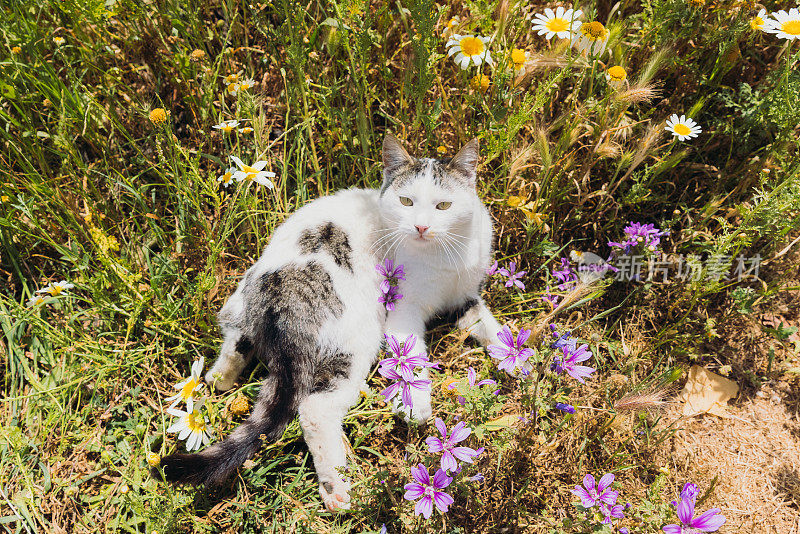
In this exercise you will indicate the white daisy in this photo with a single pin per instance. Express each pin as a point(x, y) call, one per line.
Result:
point(784, 25)
point(36, 300)
point(244, 85)
point(682, 127)
point(469, 49)
point(188, 388)
point(254, 173)
point(227, 178)
point(246, 130)
point(562, 23)
point(56, 288)
point(226, 126)
point(591, 38)
point(190, 426)
point(758, 22)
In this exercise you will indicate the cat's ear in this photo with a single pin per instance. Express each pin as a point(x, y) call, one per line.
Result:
point(464, 164)
point(394, 155)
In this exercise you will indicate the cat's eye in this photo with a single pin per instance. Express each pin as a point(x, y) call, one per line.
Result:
point(405, 201)
point(443, 205)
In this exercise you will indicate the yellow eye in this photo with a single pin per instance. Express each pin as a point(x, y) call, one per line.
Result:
point(443, 205)
point(405, 201)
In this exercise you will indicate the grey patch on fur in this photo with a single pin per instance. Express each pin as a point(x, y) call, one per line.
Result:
point(244, 345)
point(329, 370)
point(328, 487)
point(403, 174)
point(331, 239)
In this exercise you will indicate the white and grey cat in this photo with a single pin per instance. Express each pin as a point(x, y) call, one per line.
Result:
point(309, 309)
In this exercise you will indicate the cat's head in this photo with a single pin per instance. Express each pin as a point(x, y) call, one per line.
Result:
point(428, 200)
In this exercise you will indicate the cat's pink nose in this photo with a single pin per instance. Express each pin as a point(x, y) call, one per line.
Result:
point(421, 229)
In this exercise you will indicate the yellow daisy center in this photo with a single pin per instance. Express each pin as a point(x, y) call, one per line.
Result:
point(231, 78)
point(617, 73)
point(56, 290)
point(226, 178)
point(480, 82)
point(251, 176)
point(232, 88)
point(188, 389)
point(682, 129)
point(226, 128)
point(757, 23)
point(195, 423)
point(471, 46)
point(792, 27)
point(518, 57)
point(557, 24)
point(593, 30)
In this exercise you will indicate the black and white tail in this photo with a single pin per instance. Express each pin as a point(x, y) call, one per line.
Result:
point(276, 406)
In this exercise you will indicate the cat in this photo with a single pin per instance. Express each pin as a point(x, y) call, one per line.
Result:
point(309, 307)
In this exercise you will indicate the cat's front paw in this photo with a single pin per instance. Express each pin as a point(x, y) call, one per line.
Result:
point(335, 493)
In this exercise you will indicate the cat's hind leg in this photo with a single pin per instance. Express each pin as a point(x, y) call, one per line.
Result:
point(236, 348)
point(321, 415)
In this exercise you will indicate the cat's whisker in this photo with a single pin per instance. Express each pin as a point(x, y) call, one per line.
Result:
point(381, 241)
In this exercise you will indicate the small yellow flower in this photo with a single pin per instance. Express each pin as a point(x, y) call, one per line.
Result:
point(197, 55)
point(59, 41)
point(37, 300)
point(46, 103)
point(697, 3)
point(452, 23)
point(246, 84)
point(158, 116)
point(231, 78)
point(616, 74)
point(518, 58)
point(246, 130)
point(4, 198)
point(441, 150)
point(480, 82)
point(240, 405)
point(123, 489)
point(515, 201)
point(447, 390)
point(16, 50)
point(153, 459)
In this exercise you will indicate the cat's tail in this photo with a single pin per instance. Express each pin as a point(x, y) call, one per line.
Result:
point(276, 406)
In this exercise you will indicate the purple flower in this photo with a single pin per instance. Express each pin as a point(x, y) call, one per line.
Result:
point(561, 339)
point(383, 529)
point(391, 274)
point(710, 521)
point(513, 277)
point(689, 491)
point(429, 491)
point(511, 352)
point(591, 494)
point(478, 477)
point(390, 297)
point(565, 407)
point(572, 357)
point(401, 358)
point(471, 377)
point(610, 511)
point(402, 386)
point(624, 530)
point(637, 233)
point(549, 297)
point(446, 445)
point(567, 276)
point(491, 271)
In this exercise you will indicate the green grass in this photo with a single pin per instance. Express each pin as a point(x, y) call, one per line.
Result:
point(131, 212)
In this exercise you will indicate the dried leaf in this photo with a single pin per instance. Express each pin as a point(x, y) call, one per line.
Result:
point(706, 392)
point(504, 421)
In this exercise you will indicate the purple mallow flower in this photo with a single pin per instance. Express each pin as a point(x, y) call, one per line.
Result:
point(591, 494)
point(402, 386)
point(513, 277)
point(566, 275)
point(401, 360)
point(447, 445)
point(689, 491)
point(710, 521)
point(391, 274)
point(511, 353)
point(568, 408)
point(571, 356)
point(472, 376)
point(389, 298)
point(637, 233)
point(429, 491)
point(491, 271)
point(611, 511)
